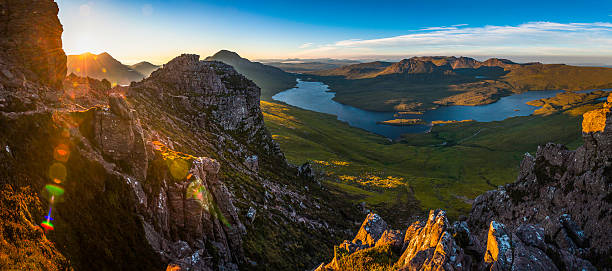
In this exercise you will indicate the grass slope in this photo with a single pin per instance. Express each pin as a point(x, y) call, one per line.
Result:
point(445, 168)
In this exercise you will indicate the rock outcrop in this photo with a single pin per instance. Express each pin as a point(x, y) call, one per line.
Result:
point(556, 216)
point(31, 42)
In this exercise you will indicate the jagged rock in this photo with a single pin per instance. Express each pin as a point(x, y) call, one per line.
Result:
point(305, 171)
point(432, 246)
point(393, 238)
point(499, 247)
point(371, 230)
point(574, 231)
point(252, 162)
point(531, 235)
point(119, 136)
point(119, 105)
point(411, 232)
point(251, 213)
point(526, 257)
point(349, 247)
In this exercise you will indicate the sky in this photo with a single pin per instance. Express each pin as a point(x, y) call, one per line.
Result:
point(558, 31)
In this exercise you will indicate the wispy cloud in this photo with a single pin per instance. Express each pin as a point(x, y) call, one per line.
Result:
point(306, 45)
point(533, 38)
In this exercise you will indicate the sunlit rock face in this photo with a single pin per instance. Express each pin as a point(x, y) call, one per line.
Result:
point(371, 230)
point(565, 192)
point(31, 39)
point(432, 246)
point(499, 251)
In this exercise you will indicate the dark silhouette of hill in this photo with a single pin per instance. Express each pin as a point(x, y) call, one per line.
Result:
point(102, 66)
point(144, 67)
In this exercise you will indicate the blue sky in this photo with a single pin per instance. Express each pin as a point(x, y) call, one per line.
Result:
point(549, 31)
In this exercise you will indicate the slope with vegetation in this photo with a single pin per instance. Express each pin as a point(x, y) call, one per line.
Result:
point(445, 168)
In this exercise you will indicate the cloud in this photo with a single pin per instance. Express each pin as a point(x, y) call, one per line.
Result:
point(306, 45)
point(534, 38)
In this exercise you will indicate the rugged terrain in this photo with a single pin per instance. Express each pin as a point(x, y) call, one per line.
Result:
point(556, 216)
point(177, 170)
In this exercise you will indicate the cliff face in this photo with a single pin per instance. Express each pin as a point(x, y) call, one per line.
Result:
point(31, 39)
point(556, 216)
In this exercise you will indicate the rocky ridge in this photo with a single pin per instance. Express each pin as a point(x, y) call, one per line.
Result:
point(176, 170)
point(556, 216)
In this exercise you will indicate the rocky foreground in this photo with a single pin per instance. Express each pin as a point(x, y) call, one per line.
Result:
point(174, 171)
point(556, 216)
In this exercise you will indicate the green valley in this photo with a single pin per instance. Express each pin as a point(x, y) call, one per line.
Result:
point(446, 168)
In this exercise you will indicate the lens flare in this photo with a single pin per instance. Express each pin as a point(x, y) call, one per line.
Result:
point(61, 153)
point(179, 168)
point(47, 225)
point(57, 171)
point(54, 190)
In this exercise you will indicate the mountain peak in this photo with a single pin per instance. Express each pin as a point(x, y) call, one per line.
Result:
point(226, 54)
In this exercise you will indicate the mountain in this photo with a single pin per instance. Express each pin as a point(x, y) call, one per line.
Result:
point(270, 79)
point(424, 83)
point(556, 216)
point(175, 171)
point(415, 65)
point(356, 71)
point(297, 65)
point(102, 66)
point(145, 68)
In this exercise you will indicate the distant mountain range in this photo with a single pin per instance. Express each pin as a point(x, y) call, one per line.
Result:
point(104, 66)
point(417, 65)
point(145, 68)
point(422, 83)
point(297, 65)
point(270, 79)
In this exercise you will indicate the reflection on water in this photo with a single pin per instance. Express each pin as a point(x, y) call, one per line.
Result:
point(315, 96)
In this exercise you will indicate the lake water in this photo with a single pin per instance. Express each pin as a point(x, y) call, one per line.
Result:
point(316, 96)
